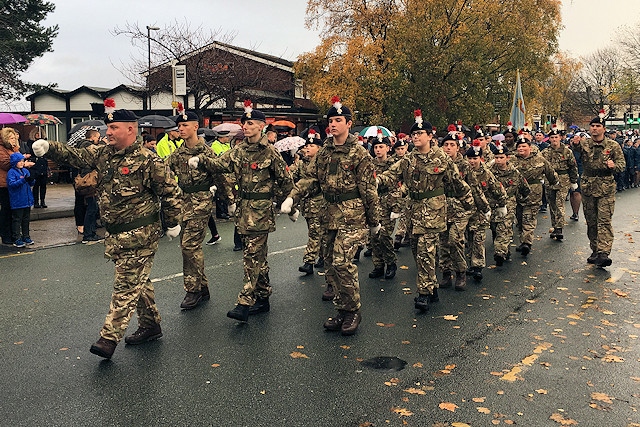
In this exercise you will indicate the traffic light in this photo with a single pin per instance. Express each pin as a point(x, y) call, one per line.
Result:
point(548, 121)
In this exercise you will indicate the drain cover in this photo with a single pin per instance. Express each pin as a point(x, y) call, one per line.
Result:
point(384, 363)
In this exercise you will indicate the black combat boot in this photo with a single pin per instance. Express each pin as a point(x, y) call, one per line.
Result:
point(602, 260)
point(319, 263)
point(307, 268)
point(477, 274)
point(334, 323)
point(351, 322)
point(447, 279)
point(191, 300)
point(143, 335)
point(204, 292)
point(261, 306)
point(397, 242)
point(240, 312)
point(377, 272)
point(558, 232)
point(499, 259)
point(592, 257)
point(434, 296)
point(104, 348)
point(328, 294)
point(391, 271)
point(422, 302)
point(525, 248)
point(461, 281)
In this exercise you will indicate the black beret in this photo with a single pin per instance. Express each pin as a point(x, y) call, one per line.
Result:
point(120, 116)
point(337, 109)
point(500, 149)
point(253, 115)
point(187, 116)
point(400, 143)
point(474, 151)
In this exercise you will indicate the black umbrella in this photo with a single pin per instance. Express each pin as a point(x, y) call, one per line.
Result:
point(155, 121)
point(88, 123)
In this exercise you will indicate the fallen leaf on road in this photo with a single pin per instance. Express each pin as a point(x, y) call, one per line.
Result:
point(404, 267)
point(562, 420)
point(541, 391)
point(607, 312)
point(460, 425)
point(402, 411)
point(345, 347)
point(19, 342)
point(479, 399)
point(448, 406)
point(392, 382)
point(483, 410)
point(611, 358)
point(450, 317)
point(413, 390)
point(298, 355)
point(215, 365)
point(601, 397)
point(417, 365)
point(620, 293)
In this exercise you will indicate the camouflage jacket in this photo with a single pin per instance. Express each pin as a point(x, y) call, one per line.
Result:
point(513, 183)
point(262, 176)
point(133, 183)
point(491, 187)
point(481, 203)
point(428, 177)
point(346, 176)
point(390, 197)
point(310, 206)
point(535, 169)
point(597, 177)
point(197, 200)
point(564, 163)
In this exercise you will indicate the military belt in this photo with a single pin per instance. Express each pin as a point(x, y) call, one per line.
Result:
point(595, 173)
point(140, 222)
point(337, 198)
point(563, 172)
point(534, 181)
point(421, 195)
point(253, 195)
point(195, 188)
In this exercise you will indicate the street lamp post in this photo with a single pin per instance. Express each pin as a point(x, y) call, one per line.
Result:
point(149, 28)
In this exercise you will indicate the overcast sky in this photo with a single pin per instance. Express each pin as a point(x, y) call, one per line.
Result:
point(86, 53)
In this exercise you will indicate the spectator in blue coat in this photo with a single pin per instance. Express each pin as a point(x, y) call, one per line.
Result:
point(19, 182)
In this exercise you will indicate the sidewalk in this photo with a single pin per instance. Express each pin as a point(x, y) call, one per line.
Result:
point(60, 201)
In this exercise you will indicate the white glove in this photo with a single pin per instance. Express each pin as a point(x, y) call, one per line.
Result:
point(173, 232)
point(487, 215)
point(231, 208)
point(213, 188)
point(286, 205)
point(193, 162)
point(394, 215)
point(40, 147)
point(501, 211)
point(294, 216)
point(375, 230)
point(574, 186)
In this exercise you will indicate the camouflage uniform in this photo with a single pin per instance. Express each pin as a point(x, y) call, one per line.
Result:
point(261, 175)
point(401, 226)
point(197, 204)
point(517, 191)
point(133, 185)
point(598, 190)
point(564, 164)
point(382, 243)
point(311, 209)
point(534, 169)
point(477, 228)
point(345, 174)
point(452, 240)
point(428, 177)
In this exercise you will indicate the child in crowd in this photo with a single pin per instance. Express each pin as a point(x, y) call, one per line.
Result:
point(19, 182)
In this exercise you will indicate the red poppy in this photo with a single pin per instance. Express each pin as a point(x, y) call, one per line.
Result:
point(436, 170)
point(374, 175)
point(484, 183)
point(607, 152)
point(125, 170)
point(254, 166)
point(510, 182)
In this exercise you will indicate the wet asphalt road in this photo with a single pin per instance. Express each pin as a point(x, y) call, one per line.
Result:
point(532, 341)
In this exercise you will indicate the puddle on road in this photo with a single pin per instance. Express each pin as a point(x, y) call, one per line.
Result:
point(384, 363)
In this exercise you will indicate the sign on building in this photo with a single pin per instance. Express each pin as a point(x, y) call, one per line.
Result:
point(180, 79)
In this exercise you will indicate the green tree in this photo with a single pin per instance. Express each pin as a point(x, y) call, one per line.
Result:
point(22, 39)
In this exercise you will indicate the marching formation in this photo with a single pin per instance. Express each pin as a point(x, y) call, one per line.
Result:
point(438, 197)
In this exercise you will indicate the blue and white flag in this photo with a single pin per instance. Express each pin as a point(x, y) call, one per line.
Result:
point(518, 109)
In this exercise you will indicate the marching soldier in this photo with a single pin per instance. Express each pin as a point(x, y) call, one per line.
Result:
point(497, 197)
point(428, 174)
point(517, 190)
point(343, 170)
point(601, 158)
point(382, 243)
point(133, 185)
point(534, 168)
point(261, 175)
point(564, 164)
point(401, 239)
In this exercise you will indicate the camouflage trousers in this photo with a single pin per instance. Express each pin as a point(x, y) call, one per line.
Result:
point(527, 216)
point(256, 268)
point(341, 272)
point(504, 234)
point(423, 247)
point(401, 229)
point(451, 249)
point(598, 212)
point(556, 200)
point(382, 244)
point(132, 252)
point(315, 242)
point(476, 236)
point(193, 234)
